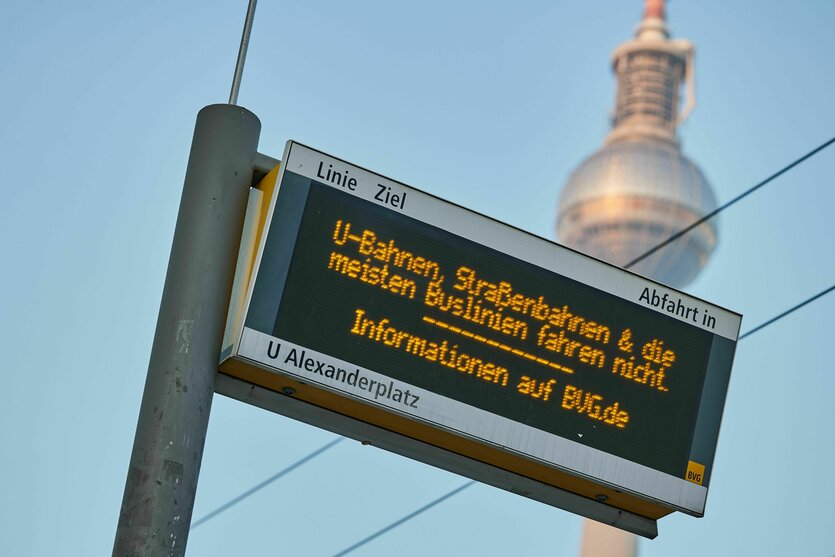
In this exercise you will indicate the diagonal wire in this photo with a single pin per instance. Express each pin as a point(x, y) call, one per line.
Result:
point(718, 210)
point(788, 311)
point(406, 518)
point(425, 508)
point(265, 483)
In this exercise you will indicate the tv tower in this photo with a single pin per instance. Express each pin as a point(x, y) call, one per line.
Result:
point(639, 189)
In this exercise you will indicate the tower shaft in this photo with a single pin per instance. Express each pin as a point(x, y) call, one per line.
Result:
point(649, 71)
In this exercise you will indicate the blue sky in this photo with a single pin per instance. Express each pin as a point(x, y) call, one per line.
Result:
point(487, 104)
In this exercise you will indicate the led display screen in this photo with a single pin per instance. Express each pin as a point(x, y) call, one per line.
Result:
point(357, 288)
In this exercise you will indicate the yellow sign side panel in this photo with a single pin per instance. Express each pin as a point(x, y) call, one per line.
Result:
point(256, 218)
point(267, 187)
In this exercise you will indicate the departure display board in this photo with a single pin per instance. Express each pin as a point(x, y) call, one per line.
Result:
point(407, 306)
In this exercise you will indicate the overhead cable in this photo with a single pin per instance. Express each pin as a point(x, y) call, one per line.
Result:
point(406, 518)
point(718, 210)
point(788, 311)
point(265, 483)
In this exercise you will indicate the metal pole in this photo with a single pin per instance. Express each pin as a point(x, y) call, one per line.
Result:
point(171, 430)
point(239, 65)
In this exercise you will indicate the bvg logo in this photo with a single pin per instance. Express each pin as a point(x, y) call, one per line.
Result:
point(695, 472)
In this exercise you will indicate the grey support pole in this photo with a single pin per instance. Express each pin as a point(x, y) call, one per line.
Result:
point(171, 431)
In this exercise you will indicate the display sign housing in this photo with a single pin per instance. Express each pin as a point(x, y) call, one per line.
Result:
point(380, 311)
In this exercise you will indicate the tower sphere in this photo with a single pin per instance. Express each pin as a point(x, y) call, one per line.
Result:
point(639, 189)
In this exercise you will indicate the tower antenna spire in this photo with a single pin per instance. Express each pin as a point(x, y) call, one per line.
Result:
point(654, 9)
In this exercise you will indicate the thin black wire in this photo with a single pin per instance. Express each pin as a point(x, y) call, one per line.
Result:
point(409, 516)
point(413, 514)
point(266, 482)
point(718, 210)
point(788, 311)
